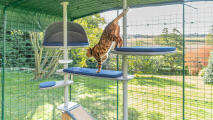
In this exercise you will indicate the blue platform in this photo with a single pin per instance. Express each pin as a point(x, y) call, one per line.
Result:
point(145, 49)
point(68, 44)
point(92, 72)
point(47, 84)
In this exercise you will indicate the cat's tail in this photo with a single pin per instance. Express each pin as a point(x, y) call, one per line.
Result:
point(120, 16)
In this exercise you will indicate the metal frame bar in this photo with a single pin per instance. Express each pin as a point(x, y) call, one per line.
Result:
point(3, 61)
point(70, 87)
point(183, 27)
point(117, 59)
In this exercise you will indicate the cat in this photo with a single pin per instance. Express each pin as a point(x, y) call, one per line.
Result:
point(110, 34)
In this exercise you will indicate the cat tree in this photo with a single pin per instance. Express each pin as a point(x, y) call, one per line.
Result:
point(73, 36)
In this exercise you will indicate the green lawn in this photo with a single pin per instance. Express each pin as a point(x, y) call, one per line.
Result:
point(151, 97)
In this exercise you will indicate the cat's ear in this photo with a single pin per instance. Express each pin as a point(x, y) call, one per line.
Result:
point(89, 51)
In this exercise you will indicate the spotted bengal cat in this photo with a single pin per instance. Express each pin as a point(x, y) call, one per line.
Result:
point(110, 34)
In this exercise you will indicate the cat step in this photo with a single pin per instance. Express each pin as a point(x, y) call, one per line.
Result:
point(60, 72)
point(75, 111)
point(54, 84)
point(107, 74)
point(65, 61)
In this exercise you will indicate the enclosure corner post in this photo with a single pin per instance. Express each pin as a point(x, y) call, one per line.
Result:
point(3, 60)
point(183, 10)
point(117, 61)
point(125, 66)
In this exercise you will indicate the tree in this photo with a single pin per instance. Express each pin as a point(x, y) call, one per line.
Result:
point(18, 50)
point(209, 37)
point(171, 39)
point(208, 76)
point(46, 60)
point(174, 39)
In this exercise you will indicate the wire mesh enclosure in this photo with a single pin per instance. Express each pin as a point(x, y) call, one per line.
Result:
point(169, 87)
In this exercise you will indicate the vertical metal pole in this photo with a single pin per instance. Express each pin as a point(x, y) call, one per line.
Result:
point(183, 60)
point(3, 61)
point(66, 76)
point(125, 90)
point(117, 58)
point(125, 66)
point(71, 87)
point(125, 24)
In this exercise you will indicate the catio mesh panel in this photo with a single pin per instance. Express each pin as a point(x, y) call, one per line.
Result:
point(155, 93)
point(161, 94)
point(28, 64)
point(98, 96)
point(198, 47)
point(23, 99)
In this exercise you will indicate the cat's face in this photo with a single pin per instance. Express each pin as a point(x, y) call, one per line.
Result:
point(89, 52)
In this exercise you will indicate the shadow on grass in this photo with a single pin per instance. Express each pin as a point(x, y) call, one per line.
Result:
point(156, 81)
point(155, 116)
point(94, 84)
point(99, 108)
point(133, 114)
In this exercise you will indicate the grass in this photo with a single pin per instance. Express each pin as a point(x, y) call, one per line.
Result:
point(151, 97)
point(24, 100)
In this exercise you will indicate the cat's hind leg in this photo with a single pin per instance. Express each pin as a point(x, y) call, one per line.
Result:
point(118, 42)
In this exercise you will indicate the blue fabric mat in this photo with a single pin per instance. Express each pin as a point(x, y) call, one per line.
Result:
point(146, 49)
point(61, 44)
point(92, 72)
point(47, 84)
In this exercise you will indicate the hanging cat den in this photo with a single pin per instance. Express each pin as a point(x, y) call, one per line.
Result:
point(76, 36)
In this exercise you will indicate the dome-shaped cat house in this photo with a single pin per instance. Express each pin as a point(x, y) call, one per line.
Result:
point(76, 36)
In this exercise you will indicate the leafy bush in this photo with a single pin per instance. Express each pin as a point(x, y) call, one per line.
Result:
point(208, 77)
point(174, 39)
point(145, 64)
point(209, 37)
point(133, 114)
point(202, 72)
point(19, 51)
point(197, 59)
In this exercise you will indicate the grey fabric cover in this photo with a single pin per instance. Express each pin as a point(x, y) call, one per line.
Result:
point(75, 33)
